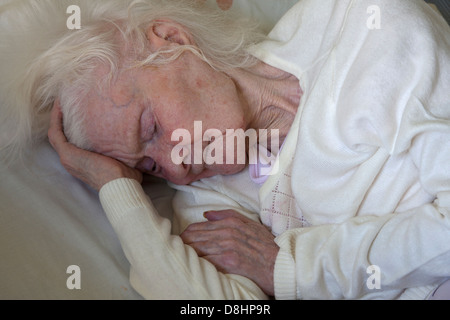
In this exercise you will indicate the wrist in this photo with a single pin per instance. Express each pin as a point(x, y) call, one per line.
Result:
point(121, 195)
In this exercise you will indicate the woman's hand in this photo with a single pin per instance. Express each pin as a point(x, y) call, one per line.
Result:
point(237, 245)
point(94, 169)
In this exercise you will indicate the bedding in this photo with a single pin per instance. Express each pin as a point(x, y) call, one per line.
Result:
point(55, 240)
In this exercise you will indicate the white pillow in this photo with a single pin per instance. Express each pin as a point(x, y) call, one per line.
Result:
point(267, 12)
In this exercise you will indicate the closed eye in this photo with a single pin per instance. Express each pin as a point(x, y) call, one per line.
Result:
point(148, 125)
point(150, 132)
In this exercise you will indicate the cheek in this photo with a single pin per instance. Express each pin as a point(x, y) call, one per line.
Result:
point(215, 102)
point(215, 105)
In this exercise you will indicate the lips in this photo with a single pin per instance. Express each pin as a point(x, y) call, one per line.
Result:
point(150, 166)
point(155, 168)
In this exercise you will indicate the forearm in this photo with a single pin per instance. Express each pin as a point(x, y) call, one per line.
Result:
point(162, 266)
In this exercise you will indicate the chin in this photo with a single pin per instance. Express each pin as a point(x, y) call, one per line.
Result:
point(229, 169)
point(208, 172)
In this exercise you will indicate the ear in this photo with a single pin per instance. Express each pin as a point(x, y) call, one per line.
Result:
point(163, 33)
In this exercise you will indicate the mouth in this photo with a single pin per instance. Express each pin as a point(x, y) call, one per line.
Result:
point(149, 166)
point(155, 168)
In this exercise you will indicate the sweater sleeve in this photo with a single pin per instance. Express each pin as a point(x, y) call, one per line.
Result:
point(408, 250)
point(162, 266)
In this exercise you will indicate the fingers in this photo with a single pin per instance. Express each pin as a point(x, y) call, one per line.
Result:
point(226, 224)
point(226, 220)
point(58, 140)
point(235, 244)
point(226, 228)
point(55, 133)
point(208, 232)
point(224, 214)
point(56, 116)
point(227, 262)
point(207, 248)
point(226, 254)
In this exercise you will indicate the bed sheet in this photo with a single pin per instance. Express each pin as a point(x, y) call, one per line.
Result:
point(54, 234)
point(50, 221)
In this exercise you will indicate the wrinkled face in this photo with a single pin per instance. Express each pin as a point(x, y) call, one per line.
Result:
point(133, 119)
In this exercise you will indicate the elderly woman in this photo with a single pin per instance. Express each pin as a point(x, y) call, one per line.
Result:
point(359, 207)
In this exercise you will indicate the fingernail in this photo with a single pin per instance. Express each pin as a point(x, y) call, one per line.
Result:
point(207, 212)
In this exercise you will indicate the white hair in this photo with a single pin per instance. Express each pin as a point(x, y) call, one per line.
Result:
point(41, 60)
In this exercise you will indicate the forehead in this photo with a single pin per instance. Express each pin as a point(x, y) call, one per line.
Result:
point(118, 91)
point(112, 111)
